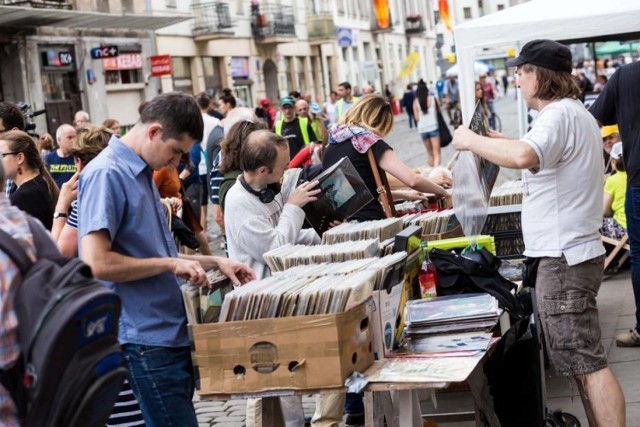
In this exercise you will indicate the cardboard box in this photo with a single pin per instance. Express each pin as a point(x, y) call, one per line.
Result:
point(304, 352)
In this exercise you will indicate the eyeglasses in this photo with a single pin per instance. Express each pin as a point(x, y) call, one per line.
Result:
point(8, 154)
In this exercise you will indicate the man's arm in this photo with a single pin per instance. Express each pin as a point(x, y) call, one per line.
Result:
point(237, 272)
point(114, 267)
point(508, 153)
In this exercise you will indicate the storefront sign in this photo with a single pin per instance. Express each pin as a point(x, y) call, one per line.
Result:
point(104, 52)
point(239, 67)
point(125, 61)
point(66, 58)
point(161, 65)
point(345, 37)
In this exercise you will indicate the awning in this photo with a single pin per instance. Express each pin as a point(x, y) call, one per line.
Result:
point(26, 17)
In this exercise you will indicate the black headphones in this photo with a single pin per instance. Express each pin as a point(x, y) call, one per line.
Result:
point(266, 195)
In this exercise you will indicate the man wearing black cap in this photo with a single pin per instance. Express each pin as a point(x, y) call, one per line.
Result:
point(560, 220)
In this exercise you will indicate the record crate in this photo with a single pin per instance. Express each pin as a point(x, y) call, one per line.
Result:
point(288, 353)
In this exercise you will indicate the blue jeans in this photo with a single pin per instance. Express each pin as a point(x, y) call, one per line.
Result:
point(162, 381)
point(632, 210)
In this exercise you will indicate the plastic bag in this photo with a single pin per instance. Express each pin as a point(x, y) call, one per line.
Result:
point(470, 201)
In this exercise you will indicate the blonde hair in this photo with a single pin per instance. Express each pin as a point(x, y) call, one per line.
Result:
point(371, 112)
point(90, 141)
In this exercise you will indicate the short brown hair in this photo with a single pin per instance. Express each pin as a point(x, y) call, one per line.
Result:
point(553, 84)
point(260, 149)
point(372, 112)
point(232, 143)
point(90, 141)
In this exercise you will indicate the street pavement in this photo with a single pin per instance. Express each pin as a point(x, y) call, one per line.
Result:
point(615, 301)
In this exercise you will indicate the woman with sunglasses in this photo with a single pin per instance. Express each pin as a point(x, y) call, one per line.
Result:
point(34, 190)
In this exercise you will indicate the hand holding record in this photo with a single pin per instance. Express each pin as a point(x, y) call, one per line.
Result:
point(304, 193)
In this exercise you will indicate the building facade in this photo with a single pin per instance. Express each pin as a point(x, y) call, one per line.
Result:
point(47, 61)
point(267, 49)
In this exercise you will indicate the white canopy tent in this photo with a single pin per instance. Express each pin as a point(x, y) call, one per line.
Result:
point(567, 21)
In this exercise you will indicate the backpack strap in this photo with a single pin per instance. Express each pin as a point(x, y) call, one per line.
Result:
point(12, 248)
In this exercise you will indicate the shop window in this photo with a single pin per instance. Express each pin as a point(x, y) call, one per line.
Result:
point(126, 68)
point(182, 74)
point(467, 12)
point(212, 75)
point(500, 7)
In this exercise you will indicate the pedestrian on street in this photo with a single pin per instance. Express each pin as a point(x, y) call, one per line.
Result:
point(407, 104)
point(561, 221)
point(424, 110)
point(618, 104)
point(126, 241)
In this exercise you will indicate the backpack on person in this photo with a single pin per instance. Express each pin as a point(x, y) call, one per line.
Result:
point(70, 369)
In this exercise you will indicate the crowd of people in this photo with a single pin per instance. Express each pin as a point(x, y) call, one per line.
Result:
point(113, 199)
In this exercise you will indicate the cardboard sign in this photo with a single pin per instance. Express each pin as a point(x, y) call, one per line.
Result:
point(161, 65)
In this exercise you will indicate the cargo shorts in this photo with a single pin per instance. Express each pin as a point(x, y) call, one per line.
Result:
point(566, 299)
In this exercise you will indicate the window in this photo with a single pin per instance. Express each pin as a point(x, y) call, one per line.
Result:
point(479, 4)
point(288, 67)
point(126, 68)
point(500, 7)
point(212, 75)
point(302, 81)
point(182, 74)
point(171, 4)
point(127, 6)
point(103, 6)
point(467, 13)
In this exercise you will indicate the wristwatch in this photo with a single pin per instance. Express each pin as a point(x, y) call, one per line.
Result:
point(57, 215)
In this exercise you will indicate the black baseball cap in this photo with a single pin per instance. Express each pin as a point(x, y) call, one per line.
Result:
point(544, 53)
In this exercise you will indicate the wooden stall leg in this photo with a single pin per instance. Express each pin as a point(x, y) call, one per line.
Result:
point(272, 412)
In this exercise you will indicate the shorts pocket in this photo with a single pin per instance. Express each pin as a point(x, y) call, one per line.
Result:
point(566, 320)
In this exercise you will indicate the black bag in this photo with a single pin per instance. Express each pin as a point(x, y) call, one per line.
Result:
point(443, 128)
point(474, 273)
point(70, 369)
point(182, 233)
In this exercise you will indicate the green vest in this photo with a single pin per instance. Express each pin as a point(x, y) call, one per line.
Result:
point(302, 122)
point(340, 105)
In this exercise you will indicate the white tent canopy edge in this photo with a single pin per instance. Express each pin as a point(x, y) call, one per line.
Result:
point(563, 20)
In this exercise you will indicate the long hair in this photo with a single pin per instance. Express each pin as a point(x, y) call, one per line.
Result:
point(90, 141)
point(232, 143)
point(553, 84)
point(422, 94)
point(20, 142)
point(372, 112)
point(482, 99)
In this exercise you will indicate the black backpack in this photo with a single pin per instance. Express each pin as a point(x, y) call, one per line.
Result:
point(70, 369)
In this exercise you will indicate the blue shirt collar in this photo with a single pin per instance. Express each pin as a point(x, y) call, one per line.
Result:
point(128, 156)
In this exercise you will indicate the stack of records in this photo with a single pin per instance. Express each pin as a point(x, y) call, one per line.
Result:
point(203, 303)
point(383, 267)
point(434, 222)
point(381, 229)
point(284, 296)
point(289, 255)
point(509, 193)
point(450, 324)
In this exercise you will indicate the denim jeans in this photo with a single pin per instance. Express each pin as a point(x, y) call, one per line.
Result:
point(632, 211)
point(162, 381)
point(412, 118)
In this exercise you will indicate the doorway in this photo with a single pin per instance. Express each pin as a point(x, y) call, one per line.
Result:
point(270, 71)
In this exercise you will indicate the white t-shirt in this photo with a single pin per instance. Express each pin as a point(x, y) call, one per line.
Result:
point(428, 121)
point(253, 228)
point(332, 111)
point(562, 206)
point(209, 123)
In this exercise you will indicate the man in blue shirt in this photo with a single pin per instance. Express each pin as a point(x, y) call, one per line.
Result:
point(124, 237)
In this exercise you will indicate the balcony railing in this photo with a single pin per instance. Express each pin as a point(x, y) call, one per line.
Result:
point(321, 26)
point(211, 19)
point(43, 4)
point(271, 22)
point(414, 24)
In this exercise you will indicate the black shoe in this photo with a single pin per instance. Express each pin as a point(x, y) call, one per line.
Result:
point(354, 420)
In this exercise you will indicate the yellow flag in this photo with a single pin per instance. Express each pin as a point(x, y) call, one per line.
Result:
point(409, 64)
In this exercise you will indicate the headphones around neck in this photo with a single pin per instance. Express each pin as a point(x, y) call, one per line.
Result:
point(266, 195)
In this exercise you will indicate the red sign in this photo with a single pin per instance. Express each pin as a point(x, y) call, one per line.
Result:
point(161, 65)
point(124, 61)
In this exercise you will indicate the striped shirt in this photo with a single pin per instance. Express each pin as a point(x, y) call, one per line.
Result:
point(126, 412)
point(215, 178)
point(72, 219)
